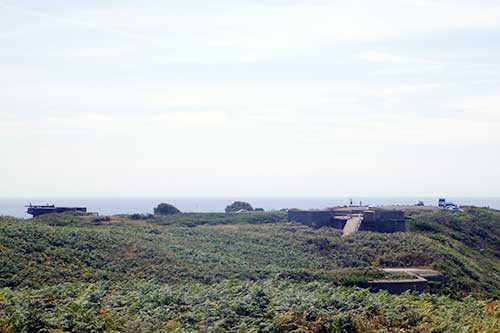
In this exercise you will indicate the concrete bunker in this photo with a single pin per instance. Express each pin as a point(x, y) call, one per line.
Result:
point(369, 219)
point(50, 209)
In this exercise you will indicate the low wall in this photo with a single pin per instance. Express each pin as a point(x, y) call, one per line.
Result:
point(397, 286)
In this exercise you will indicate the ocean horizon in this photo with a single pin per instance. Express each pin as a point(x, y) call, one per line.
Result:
point(129, 205)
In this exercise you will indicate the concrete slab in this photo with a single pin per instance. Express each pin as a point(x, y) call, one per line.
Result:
point(352, 225)
point(426, 273)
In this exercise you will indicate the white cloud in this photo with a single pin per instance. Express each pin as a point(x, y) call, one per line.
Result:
point(183, 98)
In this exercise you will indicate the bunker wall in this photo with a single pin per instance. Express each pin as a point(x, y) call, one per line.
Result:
point(383, 226)
point(397, 287)
point(312, 218)
point(383, 215)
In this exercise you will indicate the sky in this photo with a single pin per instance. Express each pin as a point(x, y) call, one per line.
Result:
point(249, 98)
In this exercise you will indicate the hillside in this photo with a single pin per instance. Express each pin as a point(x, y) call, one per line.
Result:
point(243, 272)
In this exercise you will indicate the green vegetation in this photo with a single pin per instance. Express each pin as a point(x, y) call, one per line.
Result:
point(251, 272)
point(469, 248)
point(237, 206)
point(236, 306)
point(195, 219)
point(166, 209)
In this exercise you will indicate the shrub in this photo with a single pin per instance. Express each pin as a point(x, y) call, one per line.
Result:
point(138, 216)
point(61, 219)
point(166, 209)
point(101, 219)
point(344, 324)
point(238, 205)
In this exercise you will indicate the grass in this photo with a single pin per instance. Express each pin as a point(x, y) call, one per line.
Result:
point(270, 305)
point(252, 272)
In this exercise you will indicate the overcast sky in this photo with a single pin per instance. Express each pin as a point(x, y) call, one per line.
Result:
point(250, 98)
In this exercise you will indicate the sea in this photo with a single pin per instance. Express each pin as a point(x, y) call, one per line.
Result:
point(112, 206)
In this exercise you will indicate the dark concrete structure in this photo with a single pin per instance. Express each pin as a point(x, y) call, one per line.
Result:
point(417, 281)
point(317, 218)
point(373, 219)
point(48, 209)
point(397, 287)
point(383, 221)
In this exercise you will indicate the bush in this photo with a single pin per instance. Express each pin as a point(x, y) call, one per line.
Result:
point(138, 216)
point(344, 324)
point(238, 205)
point(166, 209)
point(101, 219)
point(62, 219)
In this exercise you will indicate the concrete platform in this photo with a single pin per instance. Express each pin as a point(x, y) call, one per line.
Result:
point(417, 280)
point(426, 273)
